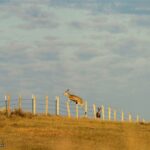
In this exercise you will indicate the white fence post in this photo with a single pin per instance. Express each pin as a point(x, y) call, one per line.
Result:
point(103, 113)
point(109, 113)
point(137, 118)
point(143, 120)
point(94, 111)
point(77, 114)
point(33, 104)
point(130, 117)
point(46, 105)
point(122, 116)
point(68, 109)
point(115, 115)
point(86, 109)
point(20, 103)
point(7, 103)
point(57, 105)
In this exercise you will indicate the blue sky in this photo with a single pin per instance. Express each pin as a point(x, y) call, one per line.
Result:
point(98, 49)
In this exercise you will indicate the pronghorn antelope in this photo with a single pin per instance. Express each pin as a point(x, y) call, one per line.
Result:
point(98, 114)
point(74, 98)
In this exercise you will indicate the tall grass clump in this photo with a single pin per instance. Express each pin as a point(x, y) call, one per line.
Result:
point(21, 113)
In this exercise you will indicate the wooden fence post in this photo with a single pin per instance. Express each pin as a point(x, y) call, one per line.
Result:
point(109, 113)
point(86, 109)
point(46, 105)
point(94, 110)
point(77, 113)
point(68, 109)
point(57, 105)
point(137, 118)
point(143, 120)
point(115, 115)
point(33, 104)
point(130, 117)
point(122, 116)
point(20, 103)
point(6, 104)
point(103, 113)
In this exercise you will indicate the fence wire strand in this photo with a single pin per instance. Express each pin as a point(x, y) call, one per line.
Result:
point(26, 104)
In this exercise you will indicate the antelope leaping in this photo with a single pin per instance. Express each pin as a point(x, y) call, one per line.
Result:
point(78, 100)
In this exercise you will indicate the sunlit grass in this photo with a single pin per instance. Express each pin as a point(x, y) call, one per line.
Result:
point(30, 132)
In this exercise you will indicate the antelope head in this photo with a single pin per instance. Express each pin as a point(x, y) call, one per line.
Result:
point(66, 93)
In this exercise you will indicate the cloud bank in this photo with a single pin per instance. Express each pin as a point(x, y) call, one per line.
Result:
point(99, 50)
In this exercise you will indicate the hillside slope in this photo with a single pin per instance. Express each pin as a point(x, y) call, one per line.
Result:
point(54, 133)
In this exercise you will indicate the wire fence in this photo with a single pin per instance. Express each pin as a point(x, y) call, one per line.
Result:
point(68, 108)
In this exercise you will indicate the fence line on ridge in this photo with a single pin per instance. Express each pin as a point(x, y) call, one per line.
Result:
point(69, 109)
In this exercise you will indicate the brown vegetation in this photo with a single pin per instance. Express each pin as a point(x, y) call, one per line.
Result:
point(25, 131)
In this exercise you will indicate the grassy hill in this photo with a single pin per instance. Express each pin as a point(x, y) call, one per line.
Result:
point(60, 133)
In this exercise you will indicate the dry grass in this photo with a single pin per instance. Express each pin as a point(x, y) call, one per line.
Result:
point(27, 132)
